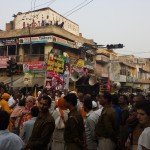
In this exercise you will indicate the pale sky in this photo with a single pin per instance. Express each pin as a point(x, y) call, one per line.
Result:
point(106, 21)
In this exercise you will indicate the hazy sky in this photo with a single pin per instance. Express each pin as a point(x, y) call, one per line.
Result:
point(105, 21)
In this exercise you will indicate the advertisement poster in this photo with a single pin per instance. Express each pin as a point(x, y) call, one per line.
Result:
point(56, 63)
point(37, 66)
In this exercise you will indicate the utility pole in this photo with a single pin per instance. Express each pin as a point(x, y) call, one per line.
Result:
point(29, 28)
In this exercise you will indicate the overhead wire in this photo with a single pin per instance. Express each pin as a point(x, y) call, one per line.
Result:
point(51, 2)
point(79, 8)
point(75, 7)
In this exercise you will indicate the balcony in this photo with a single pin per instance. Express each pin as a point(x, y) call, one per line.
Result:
point(146, 81)
point(102, 59)
point(22, 58)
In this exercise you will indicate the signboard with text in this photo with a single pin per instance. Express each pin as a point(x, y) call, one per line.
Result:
point(37, 66)
point(3, 62)
point(47, 39)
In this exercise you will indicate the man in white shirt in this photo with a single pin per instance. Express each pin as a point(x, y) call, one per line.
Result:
point(90, 123)
point(143, 115)
point(8, 140)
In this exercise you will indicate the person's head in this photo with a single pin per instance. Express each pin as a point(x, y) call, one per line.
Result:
point(123, 100)
point(61, 103)
point(138, 98)
point(30, 102)
point(22, 102)
point(87, 103)
point(80, 96)
point(87, 96)
point(44, 103)
point(34, 111)
point(105, 98)
point(5, 96)
point(143, 112)
point(4, 120)
point(71, 100)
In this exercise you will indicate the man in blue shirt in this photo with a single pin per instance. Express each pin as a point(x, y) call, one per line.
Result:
point(8, 140)
point(28, 125)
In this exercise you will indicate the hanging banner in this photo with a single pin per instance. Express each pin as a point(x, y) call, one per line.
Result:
point(55, 79)
point(56, 63)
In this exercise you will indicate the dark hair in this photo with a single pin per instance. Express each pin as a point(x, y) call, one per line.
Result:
point(71, 98)
point(47, 98)
point(22, 102)
point(115, 99)
point(145, 106)
point(125, 98)
point(34, 111)
point(140, 97)
point(107, 96)
point(4, 119)
point(87, 102)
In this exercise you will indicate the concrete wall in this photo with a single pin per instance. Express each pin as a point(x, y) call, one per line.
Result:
point(46, 16)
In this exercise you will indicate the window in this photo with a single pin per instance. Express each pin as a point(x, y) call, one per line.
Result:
point(2, 51)
point(12, 50)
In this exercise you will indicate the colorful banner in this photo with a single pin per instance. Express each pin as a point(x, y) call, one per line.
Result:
point(37, 66)
point(56, 63)
point(54, 81)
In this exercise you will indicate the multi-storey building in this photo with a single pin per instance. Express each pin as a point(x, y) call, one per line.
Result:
point(31, 36)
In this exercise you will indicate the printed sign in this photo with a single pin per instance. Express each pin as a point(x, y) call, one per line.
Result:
point(37, 66)
point(3, 62)
point(38, 39)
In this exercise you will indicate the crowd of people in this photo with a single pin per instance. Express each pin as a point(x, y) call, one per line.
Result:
point(74, 121)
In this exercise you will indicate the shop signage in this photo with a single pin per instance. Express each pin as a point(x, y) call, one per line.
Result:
point(47, 39)
point(38, 39)
point(3, 62)
point(11, 41)
point(37, 66)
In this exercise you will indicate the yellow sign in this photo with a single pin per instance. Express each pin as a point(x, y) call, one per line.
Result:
point(56, 64)
point(80, 63)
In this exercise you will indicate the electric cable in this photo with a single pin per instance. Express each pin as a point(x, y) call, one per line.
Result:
point(79, 8)
point(75, 7)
